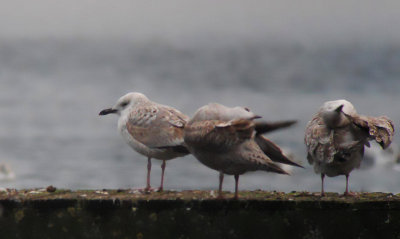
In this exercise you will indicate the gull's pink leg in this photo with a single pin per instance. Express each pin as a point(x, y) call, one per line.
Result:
point(347, 193)
point(148, 187)
point(161, 188)
point(221, 180)
point(237, 186)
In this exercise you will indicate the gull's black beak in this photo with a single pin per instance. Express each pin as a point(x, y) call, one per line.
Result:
point(108, 111)
point(339, 109)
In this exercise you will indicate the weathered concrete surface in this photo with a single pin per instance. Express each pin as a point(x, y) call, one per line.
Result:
point(196, 214)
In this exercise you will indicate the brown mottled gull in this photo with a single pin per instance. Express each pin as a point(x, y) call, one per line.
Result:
point(151, 129)
point(336, 135)
point(226, 139)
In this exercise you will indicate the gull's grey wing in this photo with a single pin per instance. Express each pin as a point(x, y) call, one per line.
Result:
point(381, 129)
point(157, 126)
point(319, 141)
point(273, 151)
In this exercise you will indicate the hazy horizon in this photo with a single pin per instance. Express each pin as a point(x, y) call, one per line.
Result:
point(308, 22)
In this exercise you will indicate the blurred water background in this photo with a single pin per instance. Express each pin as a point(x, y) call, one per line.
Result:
point(52, 88)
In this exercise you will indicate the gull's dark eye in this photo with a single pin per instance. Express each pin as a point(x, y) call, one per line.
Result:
point(123, 104)
point(246, 109)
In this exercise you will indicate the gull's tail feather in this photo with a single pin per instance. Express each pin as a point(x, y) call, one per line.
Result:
point(272, 167)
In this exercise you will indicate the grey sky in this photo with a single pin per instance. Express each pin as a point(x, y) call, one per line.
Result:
point(295, 19)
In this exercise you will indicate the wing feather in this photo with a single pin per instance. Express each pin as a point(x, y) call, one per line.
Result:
point(253, 154)
point(157, 126)
point(263, 127)
point(381, 129)
point(273, 151)
point(215, 134)
point(319, 142)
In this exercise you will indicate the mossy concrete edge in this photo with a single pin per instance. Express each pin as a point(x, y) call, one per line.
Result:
point(197, 214)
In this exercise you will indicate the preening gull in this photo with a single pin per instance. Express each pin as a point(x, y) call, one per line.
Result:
point(226, 139)
point(336, 135)
point(151, 129)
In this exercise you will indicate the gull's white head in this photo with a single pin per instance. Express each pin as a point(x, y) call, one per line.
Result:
point(333, 113)
point(215, 111)
point(125, 102)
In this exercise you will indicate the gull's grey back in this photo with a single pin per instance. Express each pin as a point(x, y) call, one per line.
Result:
point(215, 111)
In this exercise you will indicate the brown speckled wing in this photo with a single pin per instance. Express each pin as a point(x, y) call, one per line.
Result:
point(156, 126)
point(318, 140)
point(230, 137)
point(252, 152)
point(381, 129)
point(273, 151)
point(216, 134)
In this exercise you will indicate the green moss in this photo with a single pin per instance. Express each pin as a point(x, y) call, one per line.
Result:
point(19, 215)
point(196, 195)
point(153, 217)
point(72, 211)
point(139, 235)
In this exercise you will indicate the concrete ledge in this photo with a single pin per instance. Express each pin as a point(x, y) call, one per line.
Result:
point(196, 214)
